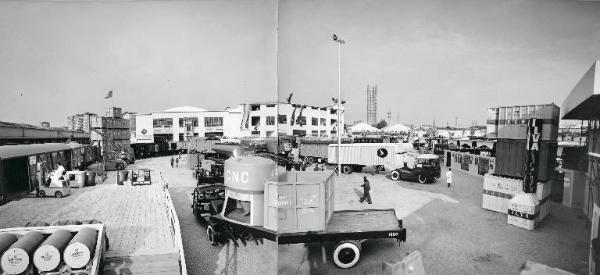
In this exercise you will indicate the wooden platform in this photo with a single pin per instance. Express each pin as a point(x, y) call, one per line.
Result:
point(135, 216)
point(349, 221)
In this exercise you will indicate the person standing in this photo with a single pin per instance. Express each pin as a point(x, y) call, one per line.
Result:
point(366, 191)
point(172, 161)
point(449, 176)
point(177, 162)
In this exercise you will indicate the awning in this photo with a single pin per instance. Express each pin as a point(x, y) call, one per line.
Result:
point(583, 101)
point(24, 150)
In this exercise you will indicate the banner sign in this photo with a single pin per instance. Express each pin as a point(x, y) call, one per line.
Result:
point(534, 132)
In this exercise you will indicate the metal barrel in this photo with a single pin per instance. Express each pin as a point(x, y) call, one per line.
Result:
point(48, 255)
point(16, 259)
point(81, 248)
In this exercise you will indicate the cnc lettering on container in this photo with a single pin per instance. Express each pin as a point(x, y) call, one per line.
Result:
point(236, 176)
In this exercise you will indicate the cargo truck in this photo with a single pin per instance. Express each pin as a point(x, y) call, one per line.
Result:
point(258, 202)
point(355, 156)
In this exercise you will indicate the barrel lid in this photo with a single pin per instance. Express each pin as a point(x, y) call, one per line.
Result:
point(250, 160)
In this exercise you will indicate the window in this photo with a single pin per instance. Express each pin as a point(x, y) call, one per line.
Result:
point(162, 122)
point(282, 119)
point(254, 107)
point(315, 121)
point(270, 105)
point(323, 121)
point(192, 121)
point(213, 121)
point(181, 137)
point(333, 122)
point(315, 133)
point(255, 121)
point(323, 133)
point(270, 133)
point(255, 133)
point(181, 122)
point(332, 111)
point(301, 120)
point(270, 120)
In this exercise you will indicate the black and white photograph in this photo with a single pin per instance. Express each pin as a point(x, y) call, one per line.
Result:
point(379, 137)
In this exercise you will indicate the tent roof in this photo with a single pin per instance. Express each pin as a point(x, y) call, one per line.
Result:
point(397, 128)
point(363, 127)
point(23, 150)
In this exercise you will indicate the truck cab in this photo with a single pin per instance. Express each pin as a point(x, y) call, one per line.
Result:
point(420, 167)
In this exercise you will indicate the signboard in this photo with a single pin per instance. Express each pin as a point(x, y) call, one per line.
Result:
point(382, 152)
point(534, 130)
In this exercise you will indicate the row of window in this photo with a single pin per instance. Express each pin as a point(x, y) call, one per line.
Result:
point(282, 119)
point(187, 121)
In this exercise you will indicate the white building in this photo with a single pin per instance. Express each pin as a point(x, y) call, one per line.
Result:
point(247, 120)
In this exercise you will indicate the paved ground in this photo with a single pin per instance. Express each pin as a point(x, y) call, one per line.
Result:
point(201, 257)
point(451, 230)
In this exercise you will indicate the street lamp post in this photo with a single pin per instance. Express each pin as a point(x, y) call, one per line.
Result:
point(339, 100)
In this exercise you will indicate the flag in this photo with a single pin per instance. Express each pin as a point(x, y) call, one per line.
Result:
point(109, 95)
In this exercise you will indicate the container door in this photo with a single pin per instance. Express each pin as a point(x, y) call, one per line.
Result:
point(483, 166)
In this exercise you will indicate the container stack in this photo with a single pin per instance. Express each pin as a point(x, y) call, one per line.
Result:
point(512, 137)
point(299, 202)
point(112, 134)
point(504, 191)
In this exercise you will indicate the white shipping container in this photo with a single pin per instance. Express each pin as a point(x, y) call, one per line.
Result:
point(386, 154)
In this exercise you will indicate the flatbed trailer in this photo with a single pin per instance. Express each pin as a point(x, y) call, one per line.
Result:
point(349, 228)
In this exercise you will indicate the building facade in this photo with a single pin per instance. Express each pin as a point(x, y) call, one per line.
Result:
point(81, 122)
point(246, 120)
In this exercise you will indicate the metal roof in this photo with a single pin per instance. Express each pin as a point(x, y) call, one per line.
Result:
point(582, 102)
point(23, 150)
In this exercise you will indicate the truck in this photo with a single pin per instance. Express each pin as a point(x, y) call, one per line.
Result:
point(355, 156)
point(420, 167)
point(245, 209)
point(315, 151)
point(139, 241)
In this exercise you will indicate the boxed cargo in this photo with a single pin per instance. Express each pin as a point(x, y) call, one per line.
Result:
point(523, 211)
point(518, 130)
point(299, 202)
point(497, 191)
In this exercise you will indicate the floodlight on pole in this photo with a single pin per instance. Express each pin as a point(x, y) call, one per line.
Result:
point(339, 101)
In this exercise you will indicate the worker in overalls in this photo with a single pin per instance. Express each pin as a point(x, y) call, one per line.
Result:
point(366, 191)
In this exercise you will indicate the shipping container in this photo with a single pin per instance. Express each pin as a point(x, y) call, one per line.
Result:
point(299, 202)
point(370, 154)
point(549, 112)
point(510, 159)
point(518, 130)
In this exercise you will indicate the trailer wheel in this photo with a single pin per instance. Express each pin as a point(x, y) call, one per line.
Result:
point(58, 194)
point(379, 168)
point(346, 169)
point(395, 175)
point(41, 193)
point(120, 166)
point(422, 178)
point(346, 254)
point(212, 235)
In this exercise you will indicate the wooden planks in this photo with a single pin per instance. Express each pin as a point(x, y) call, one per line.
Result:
point(362, 221)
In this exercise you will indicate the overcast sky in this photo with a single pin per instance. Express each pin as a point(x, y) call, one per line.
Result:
point(63, 57)
point(431, 59)
point(436, 59)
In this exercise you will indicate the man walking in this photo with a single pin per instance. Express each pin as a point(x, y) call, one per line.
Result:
point(177, 162)
point(449, 175)
point(366, 189)
point(172, 161)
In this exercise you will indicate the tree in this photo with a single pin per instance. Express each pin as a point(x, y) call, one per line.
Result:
point(381, 124)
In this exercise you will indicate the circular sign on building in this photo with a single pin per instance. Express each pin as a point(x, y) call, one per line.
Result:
point(382, 152)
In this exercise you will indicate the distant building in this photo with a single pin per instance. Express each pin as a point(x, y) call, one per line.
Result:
point(246, 120)
point(80, 122)
point(45, 125)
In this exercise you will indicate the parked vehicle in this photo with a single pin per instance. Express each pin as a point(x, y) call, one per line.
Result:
point(420, 167)
point(114, 164)
point(207, 199)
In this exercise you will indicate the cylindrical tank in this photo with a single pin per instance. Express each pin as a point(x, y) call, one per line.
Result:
point(47, 256)
point(90, 178)
point(6, 240)
point(248, 173)
point(81, 248)
point(122, 176)
point(17, 258)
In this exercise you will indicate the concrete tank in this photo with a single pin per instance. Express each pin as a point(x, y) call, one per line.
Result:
point(245, 179)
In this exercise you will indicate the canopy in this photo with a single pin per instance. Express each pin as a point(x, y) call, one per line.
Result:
point(24, 150)
point(397, 128)
point(363, 127)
